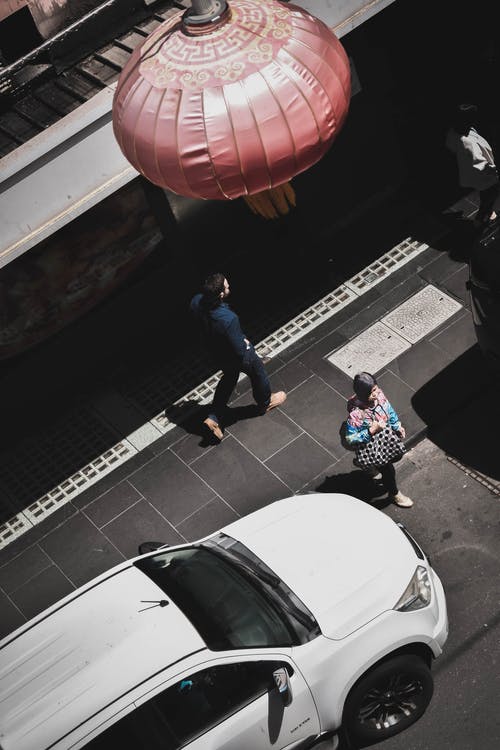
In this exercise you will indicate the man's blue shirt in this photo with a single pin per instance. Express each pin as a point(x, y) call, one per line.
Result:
point(221, 331)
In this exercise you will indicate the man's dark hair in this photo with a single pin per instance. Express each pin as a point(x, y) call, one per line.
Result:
point(465, 118)
point(212, 288)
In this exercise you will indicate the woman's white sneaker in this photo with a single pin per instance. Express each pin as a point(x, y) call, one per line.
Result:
point(402, 500)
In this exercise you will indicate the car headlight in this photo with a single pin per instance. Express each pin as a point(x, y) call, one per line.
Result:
point(417, 594)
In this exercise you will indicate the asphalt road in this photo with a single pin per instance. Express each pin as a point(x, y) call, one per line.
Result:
point(456, 520)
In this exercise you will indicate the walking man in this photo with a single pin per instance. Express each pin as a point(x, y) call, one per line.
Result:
point(230, 350)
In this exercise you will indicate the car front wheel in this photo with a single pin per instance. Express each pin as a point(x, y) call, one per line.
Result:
point(387, 700)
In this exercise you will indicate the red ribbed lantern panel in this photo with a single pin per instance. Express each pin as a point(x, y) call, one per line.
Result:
point(237, 110)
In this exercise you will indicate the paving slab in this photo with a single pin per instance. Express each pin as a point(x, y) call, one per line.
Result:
point(140, 523)
point(171, 487)
point(80, 550)
point(45, 589)
point(264, 436)
point(23, 568)
point(457, 337)
point(112, 504)
point(209, 518)
point(236, 475)
point(298, 461)
point(319, 410)
point(418, 364)
point(11, 616)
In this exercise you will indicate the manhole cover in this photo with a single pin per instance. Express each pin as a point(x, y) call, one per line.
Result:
point(421, 314)
point(370, 351)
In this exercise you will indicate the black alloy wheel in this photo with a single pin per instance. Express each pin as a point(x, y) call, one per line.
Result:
point(387, 700)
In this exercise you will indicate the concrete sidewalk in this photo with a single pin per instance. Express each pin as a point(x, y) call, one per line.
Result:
point(182, 486)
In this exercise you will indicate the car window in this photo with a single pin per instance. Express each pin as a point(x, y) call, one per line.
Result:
point(206, 698)
point(228, 609)
point(145, 728)
point(189, 708)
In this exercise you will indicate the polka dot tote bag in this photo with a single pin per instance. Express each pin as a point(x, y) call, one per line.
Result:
point(384, 447)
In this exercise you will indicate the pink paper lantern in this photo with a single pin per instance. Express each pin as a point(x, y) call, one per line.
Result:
point(236, 109)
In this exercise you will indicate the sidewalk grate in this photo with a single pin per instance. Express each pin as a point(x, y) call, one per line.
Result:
point(421, 314)
point(306, 321)
point(79, 481)
point(42, 459)
point(61, 494)
point(13, 528)
point(396, 257)
point(163, 386)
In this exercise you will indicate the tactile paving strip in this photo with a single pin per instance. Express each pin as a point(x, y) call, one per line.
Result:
point(386, 264)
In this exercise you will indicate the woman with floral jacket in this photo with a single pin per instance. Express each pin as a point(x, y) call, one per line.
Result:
point(369, 413)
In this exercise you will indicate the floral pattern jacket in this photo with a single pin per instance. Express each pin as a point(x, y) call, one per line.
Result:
point(361, 417)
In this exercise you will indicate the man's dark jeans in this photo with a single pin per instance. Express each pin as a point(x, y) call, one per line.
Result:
point(252, 366)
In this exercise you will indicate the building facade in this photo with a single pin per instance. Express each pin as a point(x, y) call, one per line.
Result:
point(76, 217)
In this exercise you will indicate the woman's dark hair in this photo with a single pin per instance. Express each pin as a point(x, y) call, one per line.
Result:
point(213, 286)
point(363, 383)
point(465, 118)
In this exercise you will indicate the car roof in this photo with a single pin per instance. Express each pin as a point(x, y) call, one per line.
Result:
point(86, 652)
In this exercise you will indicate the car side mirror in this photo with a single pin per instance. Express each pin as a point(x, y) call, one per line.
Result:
point(150, 547)
point(282, 681)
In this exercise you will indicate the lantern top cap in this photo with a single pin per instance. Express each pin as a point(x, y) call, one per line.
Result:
point(205, 15)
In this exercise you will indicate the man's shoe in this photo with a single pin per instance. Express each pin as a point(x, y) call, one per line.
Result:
point(213, 427)
point(402, 500)
point(277, 399)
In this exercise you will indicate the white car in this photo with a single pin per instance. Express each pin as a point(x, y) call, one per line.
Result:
point(313, 613)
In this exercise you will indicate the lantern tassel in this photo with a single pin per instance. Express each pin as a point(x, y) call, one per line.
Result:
point(273, 202)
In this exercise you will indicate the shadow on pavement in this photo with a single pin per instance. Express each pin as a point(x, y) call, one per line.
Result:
point(189, 416)
point(461, 408)
point(358, 484)
point(459, 239)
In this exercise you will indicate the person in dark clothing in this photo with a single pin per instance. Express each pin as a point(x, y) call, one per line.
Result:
point(230, 351)
point(475, 161)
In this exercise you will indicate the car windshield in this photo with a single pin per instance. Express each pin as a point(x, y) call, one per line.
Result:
point(301, 617)
point(228, 608)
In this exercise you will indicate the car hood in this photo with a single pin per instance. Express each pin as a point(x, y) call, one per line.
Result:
point(347, 561)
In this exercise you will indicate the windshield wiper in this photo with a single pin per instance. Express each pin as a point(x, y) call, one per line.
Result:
point(273, 581)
